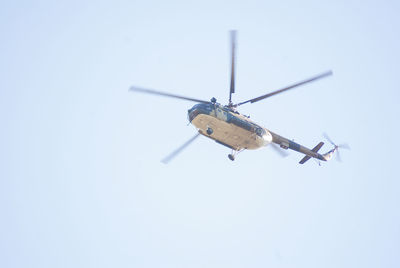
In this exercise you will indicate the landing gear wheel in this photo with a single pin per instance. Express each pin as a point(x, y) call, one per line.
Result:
point(231, 157)
point(210, 131)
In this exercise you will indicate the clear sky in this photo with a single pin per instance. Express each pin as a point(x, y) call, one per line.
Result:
point(81, 183)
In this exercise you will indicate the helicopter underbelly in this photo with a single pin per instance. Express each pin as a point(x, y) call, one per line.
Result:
point(229, 134)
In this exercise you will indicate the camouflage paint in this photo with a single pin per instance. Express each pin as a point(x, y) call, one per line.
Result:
point(252, 135)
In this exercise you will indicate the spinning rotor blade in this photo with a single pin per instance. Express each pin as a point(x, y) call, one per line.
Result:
point(286, 88)
point(279, 150)
point(177, 151)
point(337, 147)
point(328, 139)
point(341, 146)
point(344, 146)
point(338, 157)
point(233, 57)
point(154, 92)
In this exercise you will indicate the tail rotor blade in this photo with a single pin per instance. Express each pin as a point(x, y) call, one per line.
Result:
point(337, 147)
point(328, 139)
point(167, 159)
point(338, 157)
point(344, 146)
point(341, 146)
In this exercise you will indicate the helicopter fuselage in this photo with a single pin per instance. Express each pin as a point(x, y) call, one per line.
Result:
point(228, 127)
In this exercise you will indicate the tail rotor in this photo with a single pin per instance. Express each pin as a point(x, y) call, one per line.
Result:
point(336, 148)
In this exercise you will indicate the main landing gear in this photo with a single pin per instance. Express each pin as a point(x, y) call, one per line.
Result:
point(232, 155)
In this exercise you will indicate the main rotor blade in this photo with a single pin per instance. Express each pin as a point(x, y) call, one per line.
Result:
point(286, 88)
point(279, 150)
point(233, 57)
point(177, 151)
point(155, 92)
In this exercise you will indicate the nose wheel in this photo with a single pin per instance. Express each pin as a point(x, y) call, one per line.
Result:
point(231, 157)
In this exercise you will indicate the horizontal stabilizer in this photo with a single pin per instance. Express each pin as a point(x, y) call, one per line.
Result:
point(315, 149)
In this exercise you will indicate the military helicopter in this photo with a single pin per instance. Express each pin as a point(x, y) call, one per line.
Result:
point(225, 125)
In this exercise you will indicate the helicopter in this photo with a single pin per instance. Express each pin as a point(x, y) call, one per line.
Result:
point(226, 126)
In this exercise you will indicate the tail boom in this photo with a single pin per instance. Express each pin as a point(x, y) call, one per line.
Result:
point(288, 144)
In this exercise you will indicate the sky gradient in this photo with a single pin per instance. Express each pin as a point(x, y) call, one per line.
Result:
point(81, 182)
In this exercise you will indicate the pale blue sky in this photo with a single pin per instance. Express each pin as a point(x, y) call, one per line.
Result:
point(81, 183)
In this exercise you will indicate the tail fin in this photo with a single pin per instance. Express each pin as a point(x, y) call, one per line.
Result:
point(315, 149)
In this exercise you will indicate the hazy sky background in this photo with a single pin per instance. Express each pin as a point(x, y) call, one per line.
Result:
point(81, 183)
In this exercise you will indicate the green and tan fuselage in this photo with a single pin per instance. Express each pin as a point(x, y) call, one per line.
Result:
point(236, 131)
